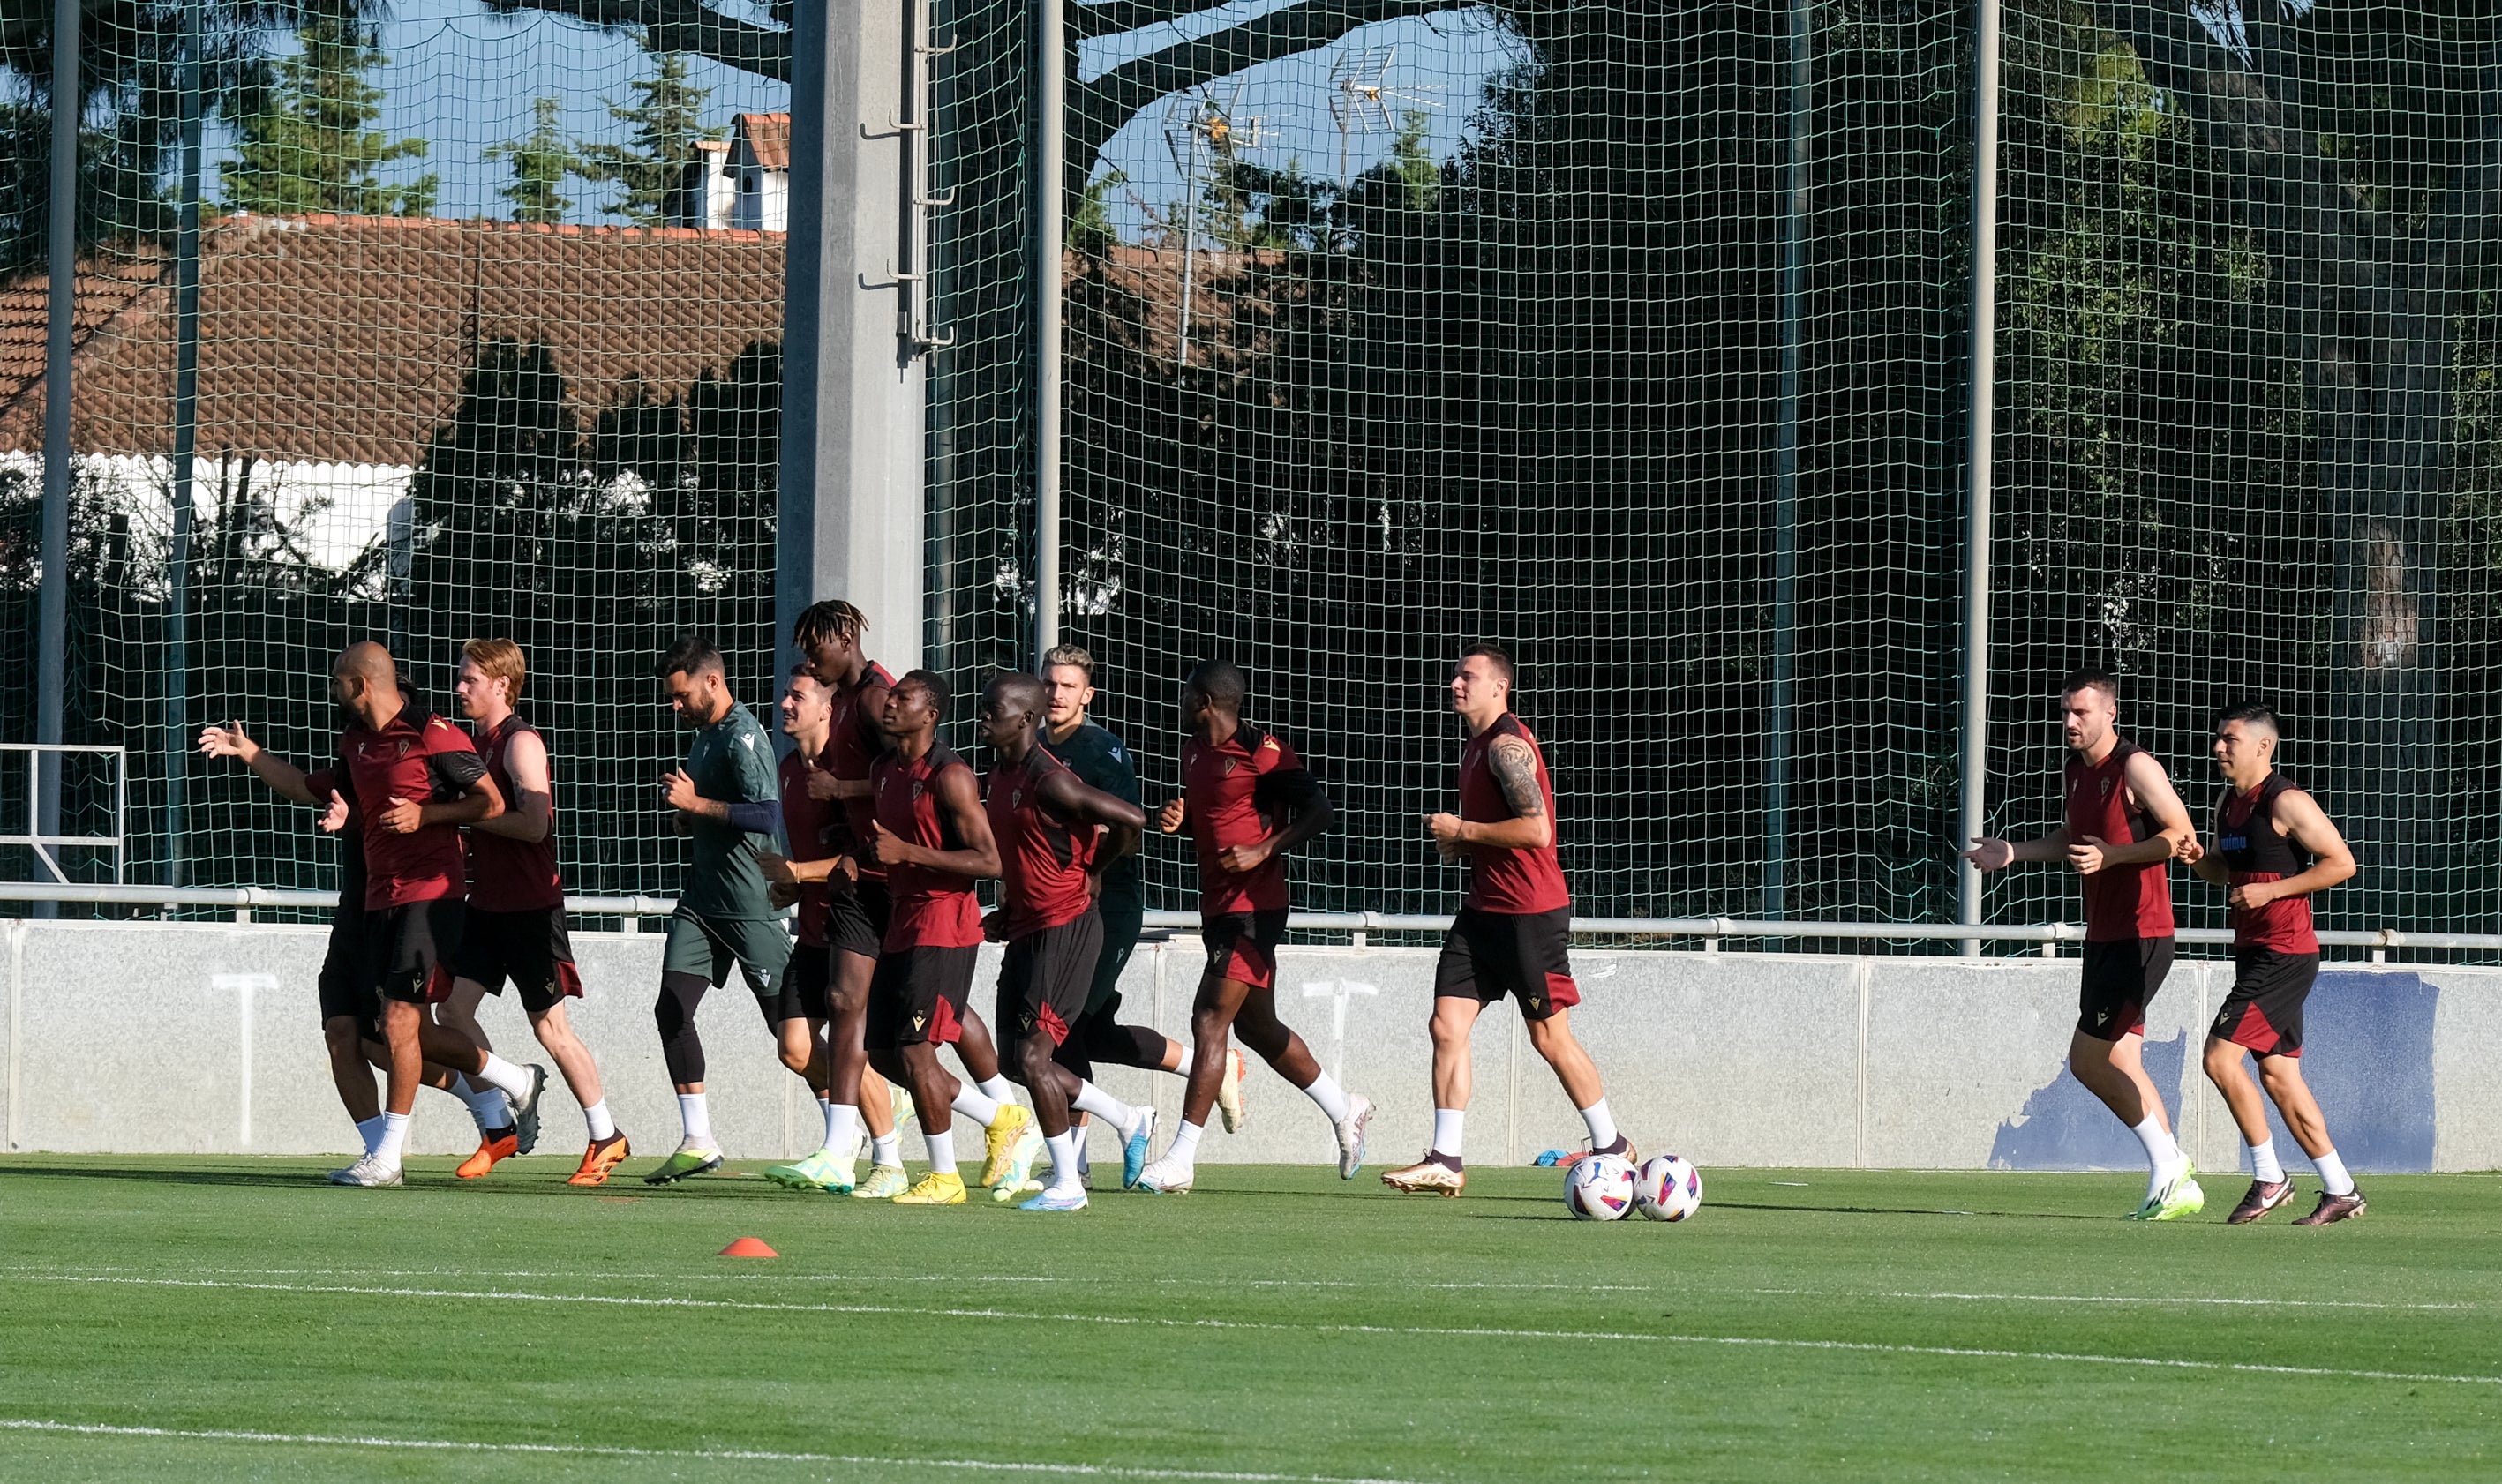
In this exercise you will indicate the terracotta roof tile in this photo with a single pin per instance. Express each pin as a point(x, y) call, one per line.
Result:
point(768, 138)
point(345, 338)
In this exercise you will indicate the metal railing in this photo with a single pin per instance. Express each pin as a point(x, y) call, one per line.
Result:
point(1712, 931)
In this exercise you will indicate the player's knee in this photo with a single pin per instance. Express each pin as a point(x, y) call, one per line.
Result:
point(1035, 1059)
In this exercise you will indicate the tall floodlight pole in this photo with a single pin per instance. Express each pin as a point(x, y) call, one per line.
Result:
point(1783, 704)
point(1051, 86)
point(187, 420)
point(1984, 400)
point(52, 605)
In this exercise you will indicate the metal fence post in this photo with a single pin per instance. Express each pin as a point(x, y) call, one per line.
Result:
point(186, 427)
point(1984, 388)
point(1049, 236)
point(1779, 746)
point(53, 604)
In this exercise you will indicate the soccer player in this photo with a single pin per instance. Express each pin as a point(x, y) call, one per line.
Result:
point(2264, 826)
point(1248, 800)
point(726, 798)
point(933, 837)
point(831, 633)
point(1100, 761)
point(2121, 825)
point(1513, 925)
point(809, 822)
point(515, 926)
point(1047, 826)
point(415, 783)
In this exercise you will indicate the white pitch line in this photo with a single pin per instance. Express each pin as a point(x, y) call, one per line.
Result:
point(704, 1455)
point(2153, 1301)
point(1429, 1331)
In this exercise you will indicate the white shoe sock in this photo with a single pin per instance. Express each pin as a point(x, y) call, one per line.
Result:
point(697, 1118)
point(1602, 1124)
point(942, 1151)
point(504, 1076)
point(973, 1103)
point(602, 1127)
point(393, 1138)
point(2264, 1165)
point(487, 1106)
point(1101, 1105)
point(1064, 1162)
point(1185, 1145)
point(1447, 1126)
point(1189, 1059)
point(842, 1130)
point(886, 1150)
point(371, 1131)
point(2332, 1174)
point(1000, 1090)
point(1325, 1092)
point(2164, 1160)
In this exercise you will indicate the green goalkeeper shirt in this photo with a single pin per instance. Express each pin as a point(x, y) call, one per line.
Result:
point(732, 761)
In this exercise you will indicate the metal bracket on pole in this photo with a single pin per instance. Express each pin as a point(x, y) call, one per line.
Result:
point(913, 322)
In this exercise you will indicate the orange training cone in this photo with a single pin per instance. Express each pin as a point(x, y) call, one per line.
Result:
point(747, 1247)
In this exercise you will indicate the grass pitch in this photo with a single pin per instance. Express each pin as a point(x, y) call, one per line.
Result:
point(214, 1319)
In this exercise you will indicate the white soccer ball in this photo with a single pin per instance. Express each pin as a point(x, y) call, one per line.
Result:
point(1598, 1187)
point(1668, 1189)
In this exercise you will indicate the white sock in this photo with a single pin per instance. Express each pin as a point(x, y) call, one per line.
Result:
point(395, 1135)
point(1603, 1123)
point(842, 1130)
point(697, 1118)
point(2162, 1154)
point(370, 1130)
point(602, 1127)
point(2332, 1174)
point(2264, 1166)
point(504, 1076)
point(976, 1104)
point(487, 1105)
point(886, 1149)
point(1185, 1145)
point(1000, 1090)
point(1189, 1059)
point(942, 1151)
point(1325, 1092)
point(1064, 1162)
point(1093, 1099)
point(1447, 1124)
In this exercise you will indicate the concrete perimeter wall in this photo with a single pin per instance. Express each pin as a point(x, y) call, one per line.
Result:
point(205, 1039)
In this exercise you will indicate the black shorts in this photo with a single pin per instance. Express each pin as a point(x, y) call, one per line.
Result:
point(919, 995)
point(531, 948)
point(347, 984)
point(1123, 914)
point(409, 949)
point(1044, 978)
point(2264, 1010)
point(2120, 980)
point(804, 984)
point(1243, 946)
point(856, 920)
point(1487, 955)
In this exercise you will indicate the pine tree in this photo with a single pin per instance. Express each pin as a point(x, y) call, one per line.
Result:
point(303, 143)
point(541, 162)
point(664, 124)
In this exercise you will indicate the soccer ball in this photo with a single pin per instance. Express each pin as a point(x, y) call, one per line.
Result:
point(1668, 1189)
point(1598, 1187)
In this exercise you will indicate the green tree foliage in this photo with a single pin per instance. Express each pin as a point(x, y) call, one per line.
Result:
point(304, 141)
point(542, 161)
point(665, 123)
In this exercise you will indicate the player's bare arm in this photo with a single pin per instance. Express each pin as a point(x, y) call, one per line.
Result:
point(1072, 802)
point(1989, 853)
point(962, 804)
point(480, 801)
point(2308, 825)
point(1516, 772)
point(2151, 791)
point(1308, 812)
point(531, 812)
point(284, 779)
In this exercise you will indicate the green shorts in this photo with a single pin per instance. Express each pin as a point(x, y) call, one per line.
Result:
point(708, 946)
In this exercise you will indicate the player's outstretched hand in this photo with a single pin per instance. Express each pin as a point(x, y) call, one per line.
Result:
point(1169, 818)
point(678, 790)
point(400, 816)
point(2086, 854)
point(334, 818)
point(226, 741)
point(1989, 853)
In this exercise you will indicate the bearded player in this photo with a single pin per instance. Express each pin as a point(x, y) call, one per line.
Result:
point(2120, 829)
point(2264, 828)
point(516, 929)
point(1247, 799)
point(1047, 825)
point(1511, 937)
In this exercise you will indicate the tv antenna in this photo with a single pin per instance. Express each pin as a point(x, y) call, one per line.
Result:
point(1360, 99)
point(1190, 119)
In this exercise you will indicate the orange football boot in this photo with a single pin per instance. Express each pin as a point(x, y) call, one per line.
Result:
point(599, 1158)
point(502, 1144)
